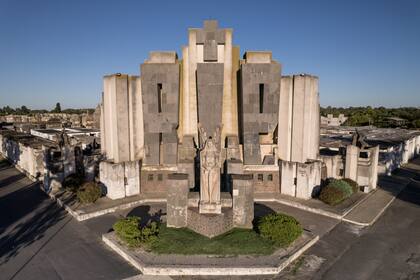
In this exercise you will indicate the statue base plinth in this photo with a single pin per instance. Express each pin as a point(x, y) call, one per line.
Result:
point(210, 208)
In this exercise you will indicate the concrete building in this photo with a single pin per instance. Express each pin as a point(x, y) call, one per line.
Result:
point(51, 155)
point(269, 124)
point(390, 148)
point(330, 120)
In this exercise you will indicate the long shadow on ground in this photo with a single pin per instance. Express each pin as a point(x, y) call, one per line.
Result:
point(26, 214)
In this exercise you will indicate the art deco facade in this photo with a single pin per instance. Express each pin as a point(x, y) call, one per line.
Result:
point(269, 123)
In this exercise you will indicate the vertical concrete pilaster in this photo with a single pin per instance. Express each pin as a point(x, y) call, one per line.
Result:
point(284, 130)
point(287, 177)
point(192, 92)
point(227, 113)
point(352, 157)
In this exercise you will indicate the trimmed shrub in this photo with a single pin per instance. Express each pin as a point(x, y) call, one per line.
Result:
point(279, 228)
point(342, 185)
point(335, 192)
point(89, 192)
point(353, 184)
point(129, 231)
point(73, 182)
point(331, 195)
point(149, 233)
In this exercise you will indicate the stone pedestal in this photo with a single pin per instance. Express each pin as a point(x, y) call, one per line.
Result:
point(243, 200)
point(177, 200)
point(210, 208)
point(210, 225)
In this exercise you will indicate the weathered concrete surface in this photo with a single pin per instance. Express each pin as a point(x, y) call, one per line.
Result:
point(305, 119)
point(210, 225)
point(116, 118)
point(120, 179)
point(177, 201)
point(160, 92)
point(243, 201)
point(259, 104)
point(369, 210)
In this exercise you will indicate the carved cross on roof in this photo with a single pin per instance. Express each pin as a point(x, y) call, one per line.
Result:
point(210, 37)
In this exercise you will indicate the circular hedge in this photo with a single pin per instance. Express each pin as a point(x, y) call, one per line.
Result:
point(89, 192)
point(335, 192)
point(279, 228)
point(353, 184)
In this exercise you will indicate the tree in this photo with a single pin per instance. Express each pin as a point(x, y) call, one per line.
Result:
point(57, 108)
point(24, 110)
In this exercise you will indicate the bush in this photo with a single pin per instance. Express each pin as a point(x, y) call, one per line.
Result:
point(129, 231)
point(73, 182)
point(279, 228)
point(332, 195)
point(342, 185)
point(89, 192)
point(335, 192)
point(353, 184)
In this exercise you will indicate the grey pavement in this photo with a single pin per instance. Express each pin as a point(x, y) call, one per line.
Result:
point(39, 240)
point(370, 209)
point(390, 249)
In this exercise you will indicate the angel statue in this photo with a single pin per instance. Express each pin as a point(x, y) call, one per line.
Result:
point(210, 164)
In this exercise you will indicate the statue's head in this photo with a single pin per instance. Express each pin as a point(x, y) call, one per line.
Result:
point(210, 142)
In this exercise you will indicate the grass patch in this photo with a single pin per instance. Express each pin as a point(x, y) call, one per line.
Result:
point(235, 242)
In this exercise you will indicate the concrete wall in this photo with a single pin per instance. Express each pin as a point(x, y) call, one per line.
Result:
point(284, 130)
point(209, 45)
point(299, 121)
point(120, 179)
point(334, 166)
point(121, 120)
point(154, 179)
point(26, 158)
point(301, 180)
point(362, 166)
point(265, 178)
point(258, 116)
point(160, 110)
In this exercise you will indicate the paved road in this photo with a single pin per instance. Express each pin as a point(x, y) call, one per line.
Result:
point(38, 240)
point(390, 249)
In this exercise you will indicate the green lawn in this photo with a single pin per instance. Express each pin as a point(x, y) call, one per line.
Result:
point(235, 242)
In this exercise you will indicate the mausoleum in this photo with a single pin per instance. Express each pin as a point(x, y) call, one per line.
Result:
point(210, 130)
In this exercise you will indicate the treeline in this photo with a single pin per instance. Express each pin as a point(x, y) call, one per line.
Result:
point(23, 110)
point(379, 116)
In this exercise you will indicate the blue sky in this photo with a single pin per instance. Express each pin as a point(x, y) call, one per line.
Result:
point(364, 52)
